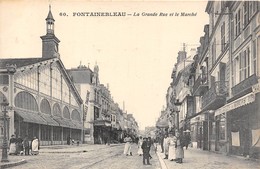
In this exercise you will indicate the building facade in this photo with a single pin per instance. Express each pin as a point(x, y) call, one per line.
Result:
point(42, 98)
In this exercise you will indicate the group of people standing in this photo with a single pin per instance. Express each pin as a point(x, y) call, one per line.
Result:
point(19, 146)
point(173, 147)
point(144, 146)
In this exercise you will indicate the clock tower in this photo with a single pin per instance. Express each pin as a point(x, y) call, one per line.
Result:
point(50, 43)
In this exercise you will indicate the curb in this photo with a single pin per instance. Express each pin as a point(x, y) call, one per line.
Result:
point(163, 165)
point(12, 164)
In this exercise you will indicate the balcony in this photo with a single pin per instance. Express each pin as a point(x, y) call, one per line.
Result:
point(215, 97)
point(200, 86)
point(243, 87)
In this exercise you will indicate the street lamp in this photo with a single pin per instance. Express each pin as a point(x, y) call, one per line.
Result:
point(4, 105)
point(177, 104)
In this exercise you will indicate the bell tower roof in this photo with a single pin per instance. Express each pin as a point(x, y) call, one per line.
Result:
point(49, 17)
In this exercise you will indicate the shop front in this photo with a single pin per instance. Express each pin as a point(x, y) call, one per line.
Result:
point(102, 131)
point(241, 118)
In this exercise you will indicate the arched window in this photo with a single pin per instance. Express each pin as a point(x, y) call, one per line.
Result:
point(45, 106)
point(56, 110)
point(75, 115)
point(66, 113)
point(26, 101)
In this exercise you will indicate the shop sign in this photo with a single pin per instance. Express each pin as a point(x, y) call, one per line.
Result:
point(237, 103)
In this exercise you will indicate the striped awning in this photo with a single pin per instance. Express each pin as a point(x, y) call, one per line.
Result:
point(247, 99)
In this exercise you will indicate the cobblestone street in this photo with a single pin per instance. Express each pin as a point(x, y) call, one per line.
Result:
point(112, 157)
point(85, 156)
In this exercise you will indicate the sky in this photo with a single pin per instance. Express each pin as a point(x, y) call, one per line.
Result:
point(135, 54)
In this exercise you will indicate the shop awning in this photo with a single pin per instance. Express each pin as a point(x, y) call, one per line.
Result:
point(49, 119)
point(77, 124)
point(31, 117)
point(106, 123)
point(63, 122)
point(247, 99)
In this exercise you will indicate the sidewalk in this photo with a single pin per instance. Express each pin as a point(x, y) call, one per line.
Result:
point(197, 158)
point(18, 160)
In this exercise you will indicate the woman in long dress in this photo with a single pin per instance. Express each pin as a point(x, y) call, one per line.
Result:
point(140, 150)
point(35, 146)
point(166, 146)
point(127, 149)
point(12, 145)
point(179, 148)
point(171, 142)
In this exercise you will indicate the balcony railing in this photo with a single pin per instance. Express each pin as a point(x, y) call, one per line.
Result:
point(215, 97)
point(200, 85)
point(245, 84)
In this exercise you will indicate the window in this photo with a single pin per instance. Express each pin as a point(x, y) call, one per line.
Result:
point(213, 48)
point(244, 64)
point(75, 115)
point(56, 83)
point(26, 101)
point(254, 61)
point(96, 113)
point(66, 113)
point(237, 23)
point(233, 72)
point(246, 13)
point(223, 42)
point(44, 81)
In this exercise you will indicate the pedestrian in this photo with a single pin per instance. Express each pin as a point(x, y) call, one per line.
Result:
point(149, 142)
point(187, 139)
point(179, 148)
point(26, 145)
point(35, 146)
point(127, 149)
point(162, 142)
point(156, 144)
point(166, 146)
point(146, 149)
point(68, 140)
point(171, 143)
point(140, 150)
point(19, 145)
point(12, 146)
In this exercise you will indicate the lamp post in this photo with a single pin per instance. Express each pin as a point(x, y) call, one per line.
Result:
point(4, 105)
point(177, 104)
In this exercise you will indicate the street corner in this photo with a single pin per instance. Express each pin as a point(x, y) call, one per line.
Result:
point(12, 163)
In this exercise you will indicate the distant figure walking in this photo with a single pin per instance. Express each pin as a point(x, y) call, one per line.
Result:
point(12, 146)
point(26, 145)
point(140, 150)
point(149, 142)
point(68, 140)
point(166, 146)
point(127, 149)
point(19, 145)
point(35, 146)
point(146, 148)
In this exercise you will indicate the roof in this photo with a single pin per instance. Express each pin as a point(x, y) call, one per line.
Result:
point(80, 75)
point(50, 15)
point(20, 62)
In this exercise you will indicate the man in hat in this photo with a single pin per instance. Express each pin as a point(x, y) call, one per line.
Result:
point(146, 148)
